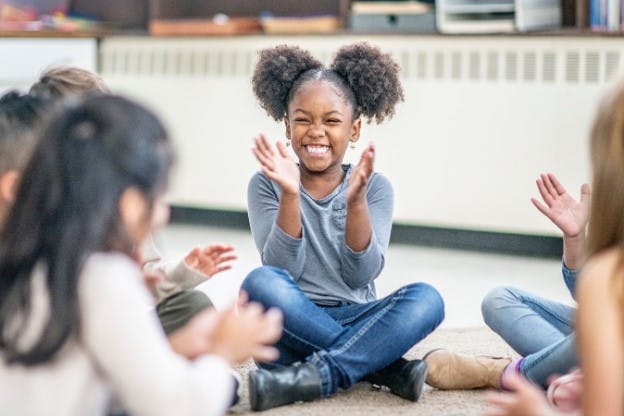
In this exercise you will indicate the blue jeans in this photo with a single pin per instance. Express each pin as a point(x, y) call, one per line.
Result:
point(540, 330)
point(345, 342)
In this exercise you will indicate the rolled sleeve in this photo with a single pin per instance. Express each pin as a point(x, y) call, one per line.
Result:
point(360, 268)
point(569, 277)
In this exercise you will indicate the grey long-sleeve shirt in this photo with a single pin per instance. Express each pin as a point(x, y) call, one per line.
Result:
point(321, 263)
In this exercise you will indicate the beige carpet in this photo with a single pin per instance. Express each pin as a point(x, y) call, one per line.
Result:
point(363, 400)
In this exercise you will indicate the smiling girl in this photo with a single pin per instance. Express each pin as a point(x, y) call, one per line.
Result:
point(322, 229)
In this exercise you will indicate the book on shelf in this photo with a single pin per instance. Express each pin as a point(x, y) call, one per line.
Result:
point(606, 15)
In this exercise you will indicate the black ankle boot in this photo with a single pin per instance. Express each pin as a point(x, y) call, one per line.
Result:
point(403, 378)
point(272, 388)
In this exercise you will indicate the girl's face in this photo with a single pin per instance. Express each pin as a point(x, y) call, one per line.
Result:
point(320, 126)
point(137, 217)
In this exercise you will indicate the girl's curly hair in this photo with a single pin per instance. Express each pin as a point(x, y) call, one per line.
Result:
point(368, 78)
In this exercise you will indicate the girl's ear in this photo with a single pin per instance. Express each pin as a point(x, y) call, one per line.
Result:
point(355, 130)
point(8, 186)
point(133, 210)
point(287, 126)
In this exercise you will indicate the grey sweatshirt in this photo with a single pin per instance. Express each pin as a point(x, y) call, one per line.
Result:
point(321, 263)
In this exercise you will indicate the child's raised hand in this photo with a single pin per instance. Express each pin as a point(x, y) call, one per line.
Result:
point(356, 191)
point(564, 211)
point(211, 259)
point(248, 333)
point(277, 164)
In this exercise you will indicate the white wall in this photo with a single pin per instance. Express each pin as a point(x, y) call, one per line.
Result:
point(483, 117)
point(22, 60)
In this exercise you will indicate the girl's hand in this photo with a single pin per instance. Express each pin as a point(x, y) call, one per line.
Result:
point(525, 400)
point(356, 191)
point(565, 392)
point(277, 165)
point(195, 338)
point(247, 333)
point(564, 211)
point(211, 260)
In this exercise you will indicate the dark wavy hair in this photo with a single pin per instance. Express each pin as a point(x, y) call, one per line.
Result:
point(67, 208)
point(20, 117)
point(367, 77)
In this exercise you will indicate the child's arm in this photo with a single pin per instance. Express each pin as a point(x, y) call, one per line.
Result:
point(570, 216)
point(128, 345)
point(276, 220)
point(600, 336)
point(360, 268)
point(199, 265)
point(358, 228)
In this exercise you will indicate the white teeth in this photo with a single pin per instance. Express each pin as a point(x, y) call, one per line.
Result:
point(317, 149)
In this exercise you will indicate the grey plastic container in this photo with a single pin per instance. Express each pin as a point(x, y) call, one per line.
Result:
point(414, 23)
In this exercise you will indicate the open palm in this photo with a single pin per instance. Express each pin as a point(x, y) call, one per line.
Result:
point(356, 190)
point(211, 259)
point(560, 207)
point(277, 165)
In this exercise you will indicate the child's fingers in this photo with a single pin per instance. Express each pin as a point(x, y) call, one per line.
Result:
point(264, 144)
point(266, 354)
point(540, 207)
point(263, 148)
point(544, 192)
point(252, 309)
point(223, 268)
point(224, 258)
point(282, 149)
point(263, 159)
point(218, 247)
point(243, 298)
point(558, 187)
point(549, 186)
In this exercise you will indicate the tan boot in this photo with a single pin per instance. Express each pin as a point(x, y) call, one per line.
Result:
point(451, 371)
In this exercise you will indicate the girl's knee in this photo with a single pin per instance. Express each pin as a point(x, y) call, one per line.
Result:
point(426, 300)
point(494, 302)
point(263, 282)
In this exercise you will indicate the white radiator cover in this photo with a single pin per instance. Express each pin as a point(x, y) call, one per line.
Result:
point(483, 116)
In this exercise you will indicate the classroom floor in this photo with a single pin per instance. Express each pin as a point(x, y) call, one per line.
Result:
point(463, 278)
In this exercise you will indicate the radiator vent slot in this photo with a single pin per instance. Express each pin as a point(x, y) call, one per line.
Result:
point(511, 66)
point(611, 65)
point(572, 66)
point(549, 66)
point(592, 66)
point(422, 65)
point(492, 66)
point(475, 65)
point(529, 66)
point(438, 61)
point(456, 65)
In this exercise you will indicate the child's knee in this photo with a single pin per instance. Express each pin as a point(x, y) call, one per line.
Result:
point(494, 302)
point(263, 281)
point(427, 301)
